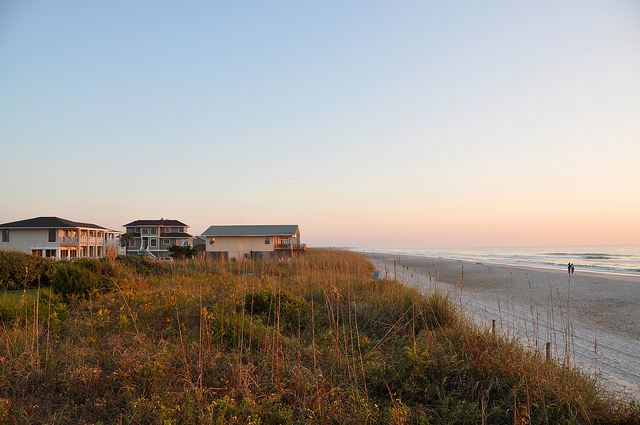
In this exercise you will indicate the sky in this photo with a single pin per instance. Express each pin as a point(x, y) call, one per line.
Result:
point(377, 124)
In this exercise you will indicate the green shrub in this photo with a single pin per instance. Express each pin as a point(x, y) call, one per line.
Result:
point(178, 252)
point(79, 278)
point(96, 266)
point(90, 264)
point(142, 265)
point(292, 312)
point(19, 270)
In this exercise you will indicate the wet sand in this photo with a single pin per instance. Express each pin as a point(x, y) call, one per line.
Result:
point(592, 319)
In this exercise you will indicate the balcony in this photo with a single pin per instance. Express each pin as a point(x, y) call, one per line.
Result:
point(296, 247)
point(88, 240)
point(66, 240)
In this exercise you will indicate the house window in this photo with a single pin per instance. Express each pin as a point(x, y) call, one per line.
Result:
point(132, 242)
point(267, 240)
point(154, 242)
point(165, 242)
point(50, 253)
point(154, 230)
point(5, 235)
point(52, 235)
point(212, 241)
point(167, 229)
point(145, 230)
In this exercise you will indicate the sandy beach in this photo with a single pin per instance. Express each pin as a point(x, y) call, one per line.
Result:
point(591, 319)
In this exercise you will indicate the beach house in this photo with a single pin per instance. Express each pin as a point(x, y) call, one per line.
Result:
point(253, 241)
point(58, 238)
point(154, 237)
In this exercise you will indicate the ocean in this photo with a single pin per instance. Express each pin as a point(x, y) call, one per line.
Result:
point(622, 259)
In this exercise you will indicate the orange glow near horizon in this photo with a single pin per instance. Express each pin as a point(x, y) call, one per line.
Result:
point(460, 231)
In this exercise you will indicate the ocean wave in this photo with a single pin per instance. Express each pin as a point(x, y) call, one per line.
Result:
point(587, 255)
point(597, 257)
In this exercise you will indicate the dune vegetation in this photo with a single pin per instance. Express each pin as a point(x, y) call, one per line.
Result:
point(309, 340)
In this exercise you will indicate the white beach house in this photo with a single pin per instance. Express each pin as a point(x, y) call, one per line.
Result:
point(253, 241)
point(154, 237)
point(58, 238)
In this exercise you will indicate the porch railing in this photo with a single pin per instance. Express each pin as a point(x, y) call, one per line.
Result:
point(291, 246)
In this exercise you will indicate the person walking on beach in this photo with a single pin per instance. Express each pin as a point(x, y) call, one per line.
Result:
point(572, 269)
point(569, 268)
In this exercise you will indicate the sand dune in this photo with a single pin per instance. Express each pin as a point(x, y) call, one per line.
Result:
point(592, 320)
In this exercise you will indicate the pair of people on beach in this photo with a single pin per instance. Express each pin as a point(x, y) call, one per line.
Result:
point(570, 268)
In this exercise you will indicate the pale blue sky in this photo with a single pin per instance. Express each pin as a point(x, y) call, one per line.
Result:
point(374, 124)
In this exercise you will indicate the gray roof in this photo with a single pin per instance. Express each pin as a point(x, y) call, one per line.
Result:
point(161, 222)
point(252, 230)
point(197, 240)
point(48, 223)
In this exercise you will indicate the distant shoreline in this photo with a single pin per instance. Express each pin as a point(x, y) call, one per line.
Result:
point(592, 273)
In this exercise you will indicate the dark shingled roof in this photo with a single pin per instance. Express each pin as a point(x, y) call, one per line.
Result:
point(48, 223)
point(161, 222)
point(165, 235)
point(252, 230)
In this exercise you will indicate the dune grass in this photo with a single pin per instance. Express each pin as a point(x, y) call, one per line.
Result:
point(314, 339)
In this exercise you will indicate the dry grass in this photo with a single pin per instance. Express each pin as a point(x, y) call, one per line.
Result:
point(314, 339)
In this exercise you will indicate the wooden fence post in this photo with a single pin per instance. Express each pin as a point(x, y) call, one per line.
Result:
point(395, 275)
point(548, 351)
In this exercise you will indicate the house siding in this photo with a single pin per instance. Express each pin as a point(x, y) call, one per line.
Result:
point(237, 247)
point(27, 239)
